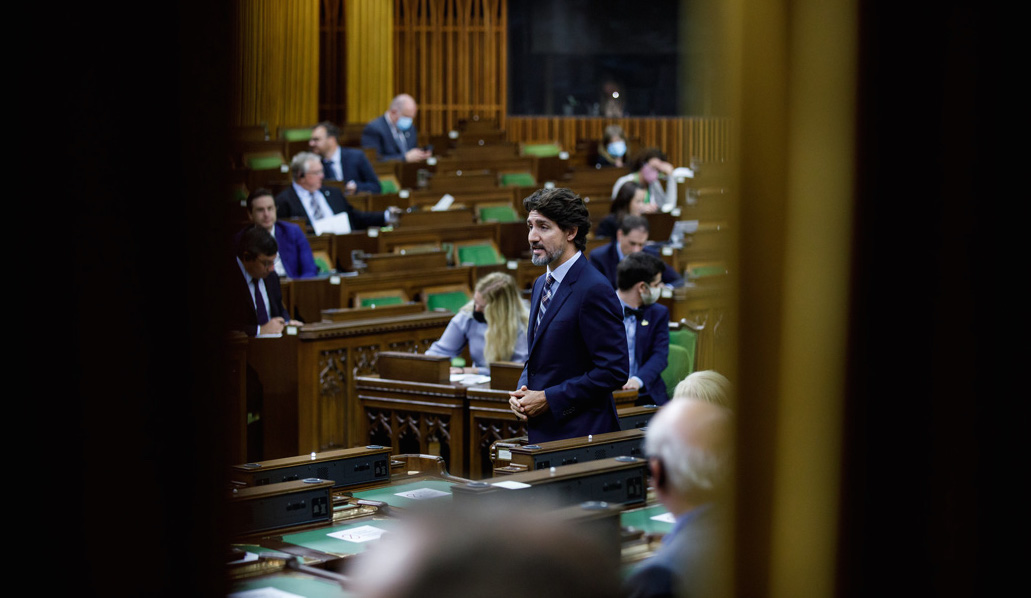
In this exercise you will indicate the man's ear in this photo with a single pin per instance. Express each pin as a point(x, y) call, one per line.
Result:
point(571, 233)
point(658, 472)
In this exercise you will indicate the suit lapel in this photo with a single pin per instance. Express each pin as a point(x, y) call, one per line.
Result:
point(564, 290)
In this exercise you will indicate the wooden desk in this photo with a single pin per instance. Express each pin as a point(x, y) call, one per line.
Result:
point(310, 398)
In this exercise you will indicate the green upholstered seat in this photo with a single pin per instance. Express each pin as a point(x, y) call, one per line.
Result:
point(264, 162)
point(678, 367)
point(373, 301)
point(517, 179)
point(322, 265)
point(541, 150)
point(683, 349)
point(297, 134)
point(388, 186)
point(479, 255)
point(498, 214)
point(451, 301)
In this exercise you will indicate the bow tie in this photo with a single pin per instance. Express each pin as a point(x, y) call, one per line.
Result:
point(629, 311)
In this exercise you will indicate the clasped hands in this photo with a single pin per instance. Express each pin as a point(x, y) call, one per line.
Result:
point(527, 403)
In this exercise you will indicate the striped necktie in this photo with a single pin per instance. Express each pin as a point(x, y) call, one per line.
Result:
point(259, 304)
point(316, 210)
point(545, 299)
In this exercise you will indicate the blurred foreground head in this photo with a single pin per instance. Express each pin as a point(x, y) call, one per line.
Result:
point(498, 551)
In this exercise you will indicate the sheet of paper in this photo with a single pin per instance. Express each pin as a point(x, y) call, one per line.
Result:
point(683, 171)
point(264, 593)
point(337, 224)
point(362, 533)
point(665, 518)
point(422, 494)
point(443, 204)
point(511, 485)
point(469, 379)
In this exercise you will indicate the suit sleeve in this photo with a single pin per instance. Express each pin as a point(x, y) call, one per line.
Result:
point(656, 356)
point(373, 136)
point(367, 179)
point(604, 338)
point(305, 259)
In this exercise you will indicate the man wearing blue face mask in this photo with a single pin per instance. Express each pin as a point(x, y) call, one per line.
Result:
point(646, 323)
point(393, 135)
point(612, 149)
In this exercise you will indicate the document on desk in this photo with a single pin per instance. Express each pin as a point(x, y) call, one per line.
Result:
point(362, 533)
point(469, 379)
point(421, 494)
point(444, 203)
point(337, 224)
point(666, 517)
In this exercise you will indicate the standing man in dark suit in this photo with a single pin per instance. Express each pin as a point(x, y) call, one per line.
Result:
point(343, 163)
point(688, 444)
point(393, 135)
point(256, 302)
point(577, 344)
point(307, 198)
point(631, 236)
point(646, 324)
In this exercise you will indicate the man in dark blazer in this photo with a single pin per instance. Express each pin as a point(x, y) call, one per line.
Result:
point(294, 259)
point(688, 447)
point(256, 300)
point(393, 135)
point(646, 322)
point(631, 236)
point(307, 198)
point(577, 344)
point(343, 163)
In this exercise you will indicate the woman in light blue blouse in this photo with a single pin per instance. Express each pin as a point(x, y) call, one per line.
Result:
point(493, 324)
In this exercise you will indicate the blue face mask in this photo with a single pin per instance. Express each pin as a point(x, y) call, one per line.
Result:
point(404, 123)
point(616, 149)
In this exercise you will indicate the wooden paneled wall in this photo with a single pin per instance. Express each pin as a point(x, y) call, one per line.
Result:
point(275, 63)
point(451, 56)
point(370, 59)
point(682, 138)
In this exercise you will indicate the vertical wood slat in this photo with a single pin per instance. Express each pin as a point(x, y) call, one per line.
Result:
point(370, 58)
point(682, 138)
point(450, 56)
point(276, 60)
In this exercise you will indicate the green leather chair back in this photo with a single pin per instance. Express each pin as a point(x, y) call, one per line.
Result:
point(518, 179)
point(498, 214)
point(479, 255)
point(371, 301)
point(451, 301)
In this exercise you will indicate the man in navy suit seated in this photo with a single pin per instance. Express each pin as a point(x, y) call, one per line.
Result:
point(393, 135)
point(639, 276)
point(294, 259)
point(307, 198)
point(343, 163)
point(576, 341)
point(688, 444)
point(631, 236)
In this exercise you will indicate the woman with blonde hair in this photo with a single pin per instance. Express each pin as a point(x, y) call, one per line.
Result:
point(493, 324)
point(706, 385)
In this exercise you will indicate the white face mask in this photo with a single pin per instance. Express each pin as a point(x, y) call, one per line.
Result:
point(616, 148)
point(404, 123)
point(652, 296)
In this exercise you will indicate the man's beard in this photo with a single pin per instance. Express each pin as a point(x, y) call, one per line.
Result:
point(547, 258)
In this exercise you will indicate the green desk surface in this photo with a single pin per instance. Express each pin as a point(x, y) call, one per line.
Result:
point(388, 494)
point(288, 581)
point(321, 540)
point(642, 519)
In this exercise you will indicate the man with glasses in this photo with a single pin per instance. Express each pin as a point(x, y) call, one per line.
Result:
point(307, 198)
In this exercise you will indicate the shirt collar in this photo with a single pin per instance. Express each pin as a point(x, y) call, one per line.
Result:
point(559, 273)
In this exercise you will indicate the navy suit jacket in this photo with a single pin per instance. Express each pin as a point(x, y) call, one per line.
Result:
point(651, 353)
point(241, 314)
point(687, 563)
point(356, 167)
point(377, 135)
point(577, 356)
point(606, 259)
point(288, 205)
point(294, 250)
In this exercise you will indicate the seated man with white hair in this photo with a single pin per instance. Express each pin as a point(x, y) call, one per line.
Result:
point(688, 443)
